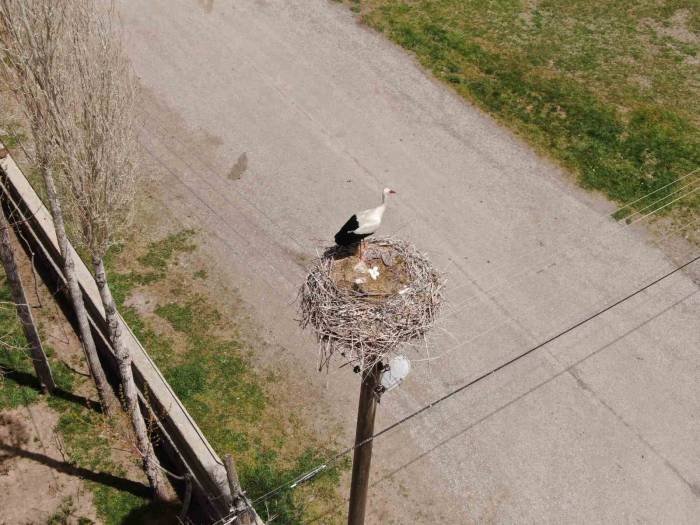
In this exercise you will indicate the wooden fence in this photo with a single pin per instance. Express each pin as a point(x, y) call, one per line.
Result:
point(180, 444)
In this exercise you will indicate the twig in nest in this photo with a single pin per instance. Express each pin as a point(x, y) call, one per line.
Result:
point(364, 328)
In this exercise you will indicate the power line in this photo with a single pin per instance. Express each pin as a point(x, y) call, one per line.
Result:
point(512, 401)
point(310, 474)
point(580, 246)
point(314, 472)
point(630, 204)
point(501, 323)
point(176, 173)
point(594, 228)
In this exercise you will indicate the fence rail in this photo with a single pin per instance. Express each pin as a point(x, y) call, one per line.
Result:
point(180, 444)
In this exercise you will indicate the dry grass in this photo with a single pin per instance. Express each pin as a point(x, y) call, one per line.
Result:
point(365, 319)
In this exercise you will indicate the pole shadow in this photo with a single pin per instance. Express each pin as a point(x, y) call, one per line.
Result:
point(29, 380)
point(154, 513)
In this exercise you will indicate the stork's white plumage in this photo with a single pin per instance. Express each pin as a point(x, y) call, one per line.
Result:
point(363, 224)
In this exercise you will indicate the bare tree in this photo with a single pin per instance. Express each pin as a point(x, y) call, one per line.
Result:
point(97, 148)
point(32, 35)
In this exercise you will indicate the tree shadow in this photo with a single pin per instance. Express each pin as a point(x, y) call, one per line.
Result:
point(29, 380)
point(154, 513)
point(103, 478)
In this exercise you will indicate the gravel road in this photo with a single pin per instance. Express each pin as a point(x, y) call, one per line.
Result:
point(266, 123)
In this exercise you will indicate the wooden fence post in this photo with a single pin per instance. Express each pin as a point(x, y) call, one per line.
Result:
point(240, 503)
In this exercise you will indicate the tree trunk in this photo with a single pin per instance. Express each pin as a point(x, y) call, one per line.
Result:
point(150, 461)
point(76, 295)
point(24, 312)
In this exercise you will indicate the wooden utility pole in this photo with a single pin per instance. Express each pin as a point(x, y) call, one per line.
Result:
point(362, 458)
point(240, 504)
point(24, 312)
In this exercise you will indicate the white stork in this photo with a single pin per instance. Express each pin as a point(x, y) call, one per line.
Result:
point(363, 224)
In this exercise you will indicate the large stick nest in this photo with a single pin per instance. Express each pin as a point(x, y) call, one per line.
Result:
point(364, 318)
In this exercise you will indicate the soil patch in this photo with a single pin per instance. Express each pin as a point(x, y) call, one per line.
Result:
point(29, 454)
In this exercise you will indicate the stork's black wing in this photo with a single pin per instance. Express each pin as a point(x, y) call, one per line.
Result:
point(345, 237)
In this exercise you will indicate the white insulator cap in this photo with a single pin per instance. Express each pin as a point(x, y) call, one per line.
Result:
point(399, 367)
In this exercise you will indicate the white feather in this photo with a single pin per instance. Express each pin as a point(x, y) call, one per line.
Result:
point(369, 220)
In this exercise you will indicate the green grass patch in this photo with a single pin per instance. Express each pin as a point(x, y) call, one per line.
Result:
point(13, 135)
point(597, 85)
point(192, 316)
point(14, 361)
point(210, 368)
point(67, 514)
point(161, 253)
point(154, 263)
point(88, 437)
point(13, 392)
point(86, 433)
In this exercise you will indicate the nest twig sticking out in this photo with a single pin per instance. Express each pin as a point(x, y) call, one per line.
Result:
point(362, 326)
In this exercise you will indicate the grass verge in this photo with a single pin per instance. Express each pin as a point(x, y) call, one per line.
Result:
point(609, 89)
point(241, 409)
point(88, 438)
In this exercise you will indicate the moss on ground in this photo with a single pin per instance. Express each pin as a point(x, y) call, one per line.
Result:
point(607, 88)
